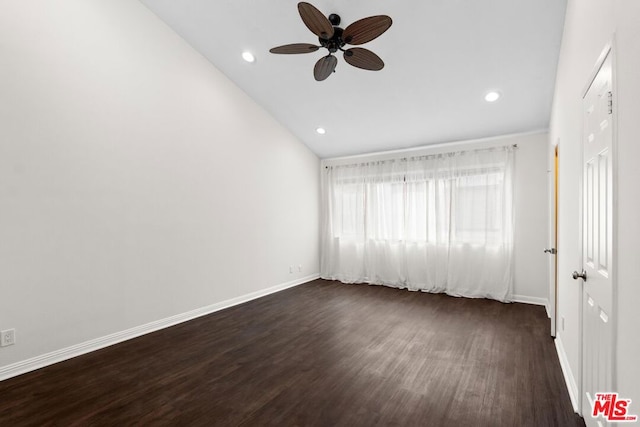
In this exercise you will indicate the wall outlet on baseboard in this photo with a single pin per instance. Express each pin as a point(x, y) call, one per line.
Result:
point(290, 269)
point(7, 337)
point(299, 267)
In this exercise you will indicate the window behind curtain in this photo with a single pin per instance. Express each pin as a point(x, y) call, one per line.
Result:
point(412, 211)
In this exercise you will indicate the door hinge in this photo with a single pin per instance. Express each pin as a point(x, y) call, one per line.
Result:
point(610, 102)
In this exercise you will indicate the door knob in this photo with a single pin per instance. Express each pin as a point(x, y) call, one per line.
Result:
point(551, 251)
point(582, 275)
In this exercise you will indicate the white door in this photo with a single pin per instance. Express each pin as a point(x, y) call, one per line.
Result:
point(597, 310)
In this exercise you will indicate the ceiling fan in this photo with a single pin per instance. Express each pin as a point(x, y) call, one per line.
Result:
point(334, 38)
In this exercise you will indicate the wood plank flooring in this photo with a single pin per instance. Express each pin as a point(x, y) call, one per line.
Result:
point(320, 354)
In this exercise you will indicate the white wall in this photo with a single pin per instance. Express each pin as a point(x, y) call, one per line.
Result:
point(590, 25)
point(136, 181)
point(531, 199)
point(530, 237)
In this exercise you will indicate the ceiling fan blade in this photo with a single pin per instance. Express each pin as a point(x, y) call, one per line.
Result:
point(295, 48)
point(315, 21)
point(324, 67)
point(366, 29)
point(363, 58)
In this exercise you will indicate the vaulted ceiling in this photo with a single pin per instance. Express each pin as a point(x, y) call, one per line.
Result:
point(441, 58)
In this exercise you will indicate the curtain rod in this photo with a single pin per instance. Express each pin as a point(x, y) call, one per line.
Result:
point(432, 155)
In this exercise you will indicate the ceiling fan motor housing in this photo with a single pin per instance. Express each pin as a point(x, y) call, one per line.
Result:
point(334, 43)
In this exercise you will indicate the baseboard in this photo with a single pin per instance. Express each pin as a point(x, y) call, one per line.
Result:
point(546, 307)
point(569, 379)
point(530, 300)
point(47, 359)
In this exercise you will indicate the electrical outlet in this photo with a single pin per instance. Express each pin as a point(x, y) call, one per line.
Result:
point(290, 269)
point(7, 337)
point(299, 267)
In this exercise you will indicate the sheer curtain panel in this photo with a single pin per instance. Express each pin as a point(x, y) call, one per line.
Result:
point(440, 223)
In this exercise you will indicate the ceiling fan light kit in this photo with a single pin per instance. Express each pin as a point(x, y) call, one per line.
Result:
point(334, 38)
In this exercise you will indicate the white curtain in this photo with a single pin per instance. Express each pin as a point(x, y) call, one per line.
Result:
point(441, 223)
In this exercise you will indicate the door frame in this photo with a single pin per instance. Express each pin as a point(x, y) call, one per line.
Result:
point(552, 310)
point(609, 50)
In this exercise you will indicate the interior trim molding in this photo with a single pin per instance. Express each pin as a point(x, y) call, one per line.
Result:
point(530, 300)
point(546, 307)
point(56, 356)
point(569, 379)
point(437, 146)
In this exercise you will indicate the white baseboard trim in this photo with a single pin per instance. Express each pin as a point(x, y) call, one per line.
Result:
point(569, 379)
point(529, 300)
point(47, 359)
point(546, 307)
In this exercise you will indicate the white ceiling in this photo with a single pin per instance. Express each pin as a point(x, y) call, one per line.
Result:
point(441, 58)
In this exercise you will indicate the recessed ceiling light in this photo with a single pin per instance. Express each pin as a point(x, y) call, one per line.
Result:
point(321, 131)
point(492, 96)
point(248, 56)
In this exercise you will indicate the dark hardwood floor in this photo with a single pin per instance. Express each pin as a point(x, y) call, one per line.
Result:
point(320, 354)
